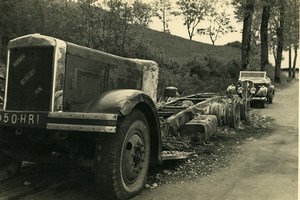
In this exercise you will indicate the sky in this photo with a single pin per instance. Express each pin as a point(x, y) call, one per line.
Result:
point(176, 27)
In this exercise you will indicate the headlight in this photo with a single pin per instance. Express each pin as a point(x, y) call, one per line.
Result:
point(240, 90)
point(253, 90)
point(58, 100)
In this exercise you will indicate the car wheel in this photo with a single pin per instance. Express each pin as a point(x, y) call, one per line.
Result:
point(270, 100)
point(122, 159)
point(263, 104)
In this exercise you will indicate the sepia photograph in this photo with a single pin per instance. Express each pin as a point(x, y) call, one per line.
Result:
point(149, 99)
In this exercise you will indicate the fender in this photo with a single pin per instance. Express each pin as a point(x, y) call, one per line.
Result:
point(271, 90)
point(121, 102)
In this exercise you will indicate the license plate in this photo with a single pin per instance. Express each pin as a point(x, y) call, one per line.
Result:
point(20, 118)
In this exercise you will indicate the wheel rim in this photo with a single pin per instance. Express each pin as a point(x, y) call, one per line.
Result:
point(133, 157)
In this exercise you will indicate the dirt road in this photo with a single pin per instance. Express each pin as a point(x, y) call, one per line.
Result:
point(264, 168)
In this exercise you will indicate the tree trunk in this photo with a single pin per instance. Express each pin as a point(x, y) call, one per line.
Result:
point(290, 61)
point(246, 38)
point(280, 43)
point(3, 45)
point(189, 32)
point(295, 60)
point(164, 20)
point(264, 61)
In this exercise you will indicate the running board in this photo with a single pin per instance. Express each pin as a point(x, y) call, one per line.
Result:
point(175, 155)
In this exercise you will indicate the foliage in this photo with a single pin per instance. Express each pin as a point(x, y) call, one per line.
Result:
point(142, 13)
point(236, 44)
point(200, 73)
point(193, 11)
point(219, 24)
point(162, 10)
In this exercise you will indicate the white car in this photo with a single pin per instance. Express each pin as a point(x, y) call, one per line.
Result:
point(254, 85)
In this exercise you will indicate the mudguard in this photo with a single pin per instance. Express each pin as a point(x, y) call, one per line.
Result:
point(121, 102)
point(271, 91)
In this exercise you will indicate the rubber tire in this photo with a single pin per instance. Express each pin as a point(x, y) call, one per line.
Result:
point(245, 111)
point(110, 154)
point(270, 100)
point(8, 167)
point(263, 104)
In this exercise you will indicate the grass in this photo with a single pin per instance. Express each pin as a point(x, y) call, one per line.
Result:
point(180, 49)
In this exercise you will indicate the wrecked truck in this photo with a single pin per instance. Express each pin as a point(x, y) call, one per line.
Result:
point(71, 105)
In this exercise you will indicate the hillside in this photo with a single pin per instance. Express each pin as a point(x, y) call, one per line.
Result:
point(180, 49)
point(191, 66)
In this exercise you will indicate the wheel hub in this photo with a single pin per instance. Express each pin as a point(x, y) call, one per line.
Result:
point(134, 158)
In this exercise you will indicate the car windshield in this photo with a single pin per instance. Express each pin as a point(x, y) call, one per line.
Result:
point(252, 74)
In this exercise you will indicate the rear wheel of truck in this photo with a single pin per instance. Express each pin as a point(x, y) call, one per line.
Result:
point(8, 167)
point(122, 159)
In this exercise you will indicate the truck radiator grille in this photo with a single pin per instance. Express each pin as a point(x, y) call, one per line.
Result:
point(30, 79)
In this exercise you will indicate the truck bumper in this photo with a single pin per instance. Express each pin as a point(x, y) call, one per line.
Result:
point(258, 99)
point(71, 121)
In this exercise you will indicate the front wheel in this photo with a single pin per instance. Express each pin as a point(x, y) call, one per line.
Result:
point(122, 159)
point(270, 100)
point(263, 104)
point(8, 167)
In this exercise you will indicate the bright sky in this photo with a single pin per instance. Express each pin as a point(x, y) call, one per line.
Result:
point(176, 27)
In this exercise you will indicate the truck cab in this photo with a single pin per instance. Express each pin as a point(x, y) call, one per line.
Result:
point(71, 105)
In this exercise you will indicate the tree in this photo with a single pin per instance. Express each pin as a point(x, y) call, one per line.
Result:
point(7, 26)
point(219, 24)
point(264, 35)
point(280, 41)
point(246, 35)
point(120, 16)
point(193, 11)
point(142, 13)
point(162, 10)
point(296, 42)
point(291, 32)
point(295, 60)
point(87, 24)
